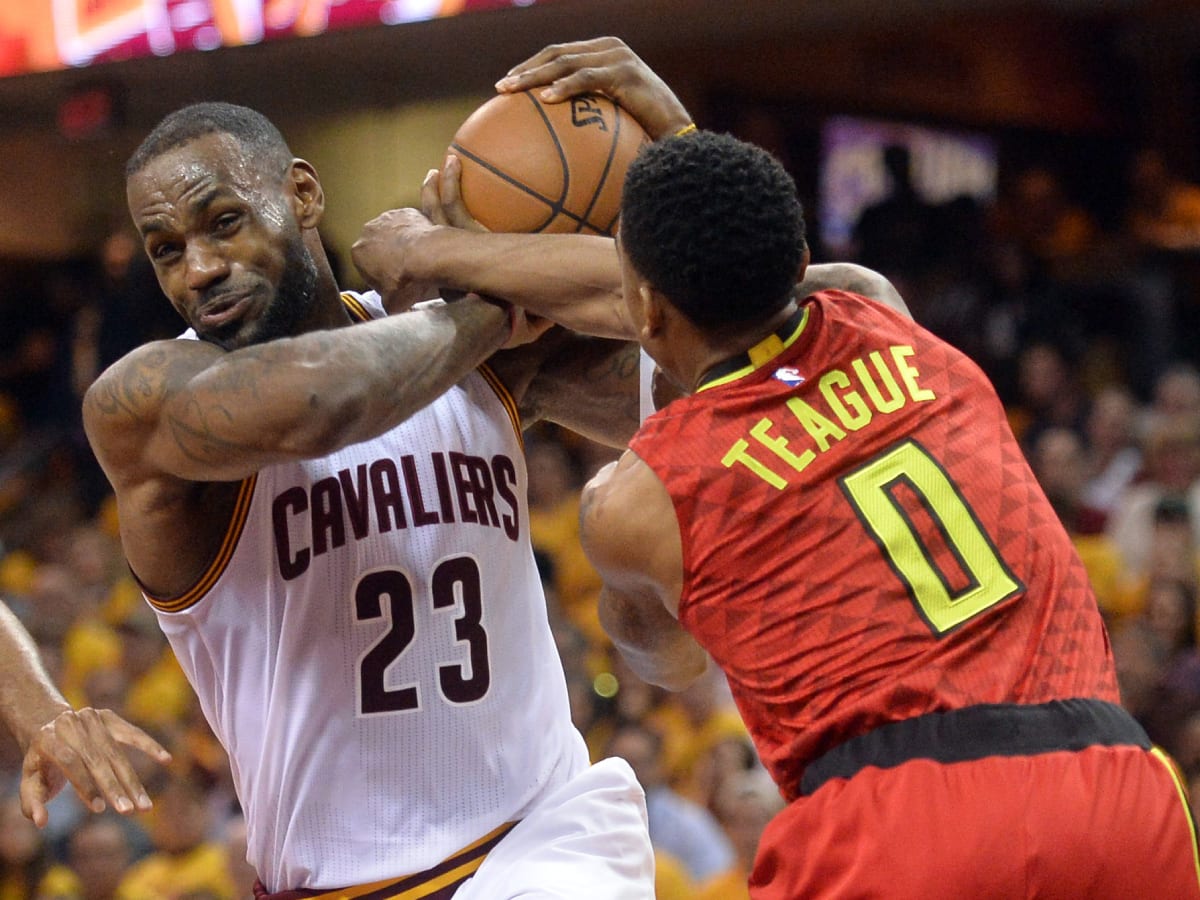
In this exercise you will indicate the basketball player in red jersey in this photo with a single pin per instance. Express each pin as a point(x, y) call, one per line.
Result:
point(840, 516)
point(838, 513)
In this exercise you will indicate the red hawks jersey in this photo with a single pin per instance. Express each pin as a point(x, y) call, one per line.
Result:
point(863, 541)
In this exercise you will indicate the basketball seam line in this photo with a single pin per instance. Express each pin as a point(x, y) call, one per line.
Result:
point(556, 208)
point(612, 152)
point(559, 207)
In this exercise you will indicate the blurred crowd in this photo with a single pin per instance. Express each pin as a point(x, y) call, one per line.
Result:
point(1089, 326)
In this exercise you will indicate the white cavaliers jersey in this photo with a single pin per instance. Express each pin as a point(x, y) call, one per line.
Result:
point(371, 647)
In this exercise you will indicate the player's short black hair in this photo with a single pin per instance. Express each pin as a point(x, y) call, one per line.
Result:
point(714, 223)
point(254, 131)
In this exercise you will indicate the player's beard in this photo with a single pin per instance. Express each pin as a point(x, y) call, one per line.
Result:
point(294, 298)
point(290, 307)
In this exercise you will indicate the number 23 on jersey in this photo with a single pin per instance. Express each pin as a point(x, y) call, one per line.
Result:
point(455, 595)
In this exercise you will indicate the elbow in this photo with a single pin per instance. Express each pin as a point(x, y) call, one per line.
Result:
point(684, 671)
point(670, 674)
point(676, 680)
point(674, 666)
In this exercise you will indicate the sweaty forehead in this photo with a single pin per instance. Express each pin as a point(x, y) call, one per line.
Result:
point(211, 162)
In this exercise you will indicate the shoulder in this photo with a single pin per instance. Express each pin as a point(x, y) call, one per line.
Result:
point(127, 399)
point(619, 484)
point(626, 515)
point(135, 382)
point(848, 309)
point(855, 280)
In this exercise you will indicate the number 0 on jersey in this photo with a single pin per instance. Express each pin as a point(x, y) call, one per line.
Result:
point(871, 490)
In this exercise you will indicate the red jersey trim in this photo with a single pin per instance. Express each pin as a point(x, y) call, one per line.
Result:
point(205, 582)
point(355, 308)
point(506, 400)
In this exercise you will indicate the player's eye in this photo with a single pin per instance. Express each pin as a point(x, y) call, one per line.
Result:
point(164, 251)
point(226, 222)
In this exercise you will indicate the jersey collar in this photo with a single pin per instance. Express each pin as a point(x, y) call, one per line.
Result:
point(757, 356)
point(357, 311)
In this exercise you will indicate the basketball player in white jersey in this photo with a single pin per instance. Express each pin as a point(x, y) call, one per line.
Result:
point(326, 508)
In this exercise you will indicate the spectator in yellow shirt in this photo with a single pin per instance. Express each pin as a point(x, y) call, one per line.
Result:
point(185, 859)
point(97, 855)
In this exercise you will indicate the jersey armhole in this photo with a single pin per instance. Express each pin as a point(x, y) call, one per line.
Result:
point(208, 578)
point(506, 400)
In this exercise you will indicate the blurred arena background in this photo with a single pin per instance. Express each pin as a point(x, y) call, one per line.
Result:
point(1026, 171)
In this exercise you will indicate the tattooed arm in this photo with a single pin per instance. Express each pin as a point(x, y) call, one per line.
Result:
point(177, 425)
point(190, 410)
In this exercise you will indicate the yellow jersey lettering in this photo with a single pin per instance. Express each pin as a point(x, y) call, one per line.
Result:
point(895, 398)
point(819, 428)
point(909, 374)
point(778, 446)
point(858, 414)
point(879, 383)
point(737, 454)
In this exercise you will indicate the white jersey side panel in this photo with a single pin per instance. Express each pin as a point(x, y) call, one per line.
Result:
point(645, 385)
point(375, 655)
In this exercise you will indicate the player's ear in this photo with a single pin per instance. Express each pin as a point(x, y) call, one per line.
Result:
point(805, 259)
point(653, 304)
point(308, 197)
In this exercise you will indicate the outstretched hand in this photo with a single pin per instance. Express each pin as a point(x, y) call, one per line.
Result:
point(82, 747)
point(606, 66)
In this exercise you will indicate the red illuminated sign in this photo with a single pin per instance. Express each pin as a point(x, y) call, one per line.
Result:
point(37, 35)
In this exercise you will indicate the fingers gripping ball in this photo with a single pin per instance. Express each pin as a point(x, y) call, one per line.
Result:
point(555, 167)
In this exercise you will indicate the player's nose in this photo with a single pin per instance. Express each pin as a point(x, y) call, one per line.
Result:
point(203, 266)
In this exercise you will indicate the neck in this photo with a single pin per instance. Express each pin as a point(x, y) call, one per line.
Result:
point(329, 311)
point(718, 348)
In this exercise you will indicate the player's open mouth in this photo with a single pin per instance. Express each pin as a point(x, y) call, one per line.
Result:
point(223, 311)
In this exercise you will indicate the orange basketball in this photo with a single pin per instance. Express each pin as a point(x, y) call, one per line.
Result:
point(555, 167)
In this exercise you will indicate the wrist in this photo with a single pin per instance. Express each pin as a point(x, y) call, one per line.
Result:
point(25, 727)
point(421, 256)
point(510, 316)
point(508, 310)
point(675, 118)
point(450, 258)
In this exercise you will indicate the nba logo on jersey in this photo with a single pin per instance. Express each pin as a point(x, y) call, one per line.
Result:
point(789, 376)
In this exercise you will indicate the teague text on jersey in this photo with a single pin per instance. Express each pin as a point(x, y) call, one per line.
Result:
point(879, 383)
point(310, 520)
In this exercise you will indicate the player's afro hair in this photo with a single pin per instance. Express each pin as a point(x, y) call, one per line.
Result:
point(259, 138)
point(715, 224)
